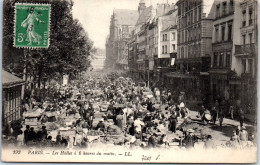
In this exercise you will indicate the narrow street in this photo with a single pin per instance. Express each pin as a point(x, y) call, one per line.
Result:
point(221, 134)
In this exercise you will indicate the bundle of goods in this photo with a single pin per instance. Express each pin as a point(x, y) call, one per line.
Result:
point(73, 111)
point(188, 124)
point(94, 133)
point(51, 126)
point(61, 121)
point(114, 130)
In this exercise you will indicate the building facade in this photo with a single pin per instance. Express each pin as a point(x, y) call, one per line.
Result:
point(233, 64)
point(194, 46)
point(222, 46)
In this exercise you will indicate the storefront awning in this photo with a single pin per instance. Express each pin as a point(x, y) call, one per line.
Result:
point(181, 75)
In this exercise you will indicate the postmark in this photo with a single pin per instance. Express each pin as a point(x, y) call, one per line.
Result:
point(32, 25)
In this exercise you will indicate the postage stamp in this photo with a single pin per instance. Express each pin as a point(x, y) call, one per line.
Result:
point(32, 25)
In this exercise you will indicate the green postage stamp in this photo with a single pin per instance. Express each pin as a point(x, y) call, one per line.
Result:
point(32, 25)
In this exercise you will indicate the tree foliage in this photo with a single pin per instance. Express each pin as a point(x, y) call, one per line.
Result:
point(68, 50)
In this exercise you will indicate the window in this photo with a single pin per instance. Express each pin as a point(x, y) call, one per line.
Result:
point(250, 38)
point(228, 57)
point(221, 59)
point(173, 36)
point(224, 9)
point(165, 37)
point(173, 46)
point(162, 49)
point(215, 59)
point(230, 32)
point(216, 34)
point(231, 6)
point(178, 39)
point(244, 39)
point(165, 47)
point(218, 11)
point(244, 18)
point(191, 17)
point(195, 14)
point(250, 16)
point(199, 12)
point(243, 65)
point(250, 66)
point(182, 36)
point(223, 33)
point(182, 52)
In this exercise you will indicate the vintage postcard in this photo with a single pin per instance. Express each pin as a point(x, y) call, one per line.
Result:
point(129, 81)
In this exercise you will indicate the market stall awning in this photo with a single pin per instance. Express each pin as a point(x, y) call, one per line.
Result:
point(9, 80)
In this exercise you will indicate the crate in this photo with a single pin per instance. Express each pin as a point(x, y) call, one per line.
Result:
point(32, 121)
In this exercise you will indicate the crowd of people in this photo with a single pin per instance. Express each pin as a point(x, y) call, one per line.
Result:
point(116, 110)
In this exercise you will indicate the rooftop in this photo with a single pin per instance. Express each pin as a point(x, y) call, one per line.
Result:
point(10, 80)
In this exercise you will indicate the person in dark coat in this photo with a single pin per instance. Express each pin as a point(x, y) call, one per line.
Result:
point(214, 114)
point(58, 139)
point(32, 134)
point(132, 130)
point(150, 106)
point(26, 134)
point(173, 122)
point(101, 126)
point(44, 132)
point(221, 116)
point(241, 116)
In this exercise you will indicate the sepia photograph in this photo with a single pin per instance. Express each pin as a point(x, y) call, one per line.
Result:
point(129, 81)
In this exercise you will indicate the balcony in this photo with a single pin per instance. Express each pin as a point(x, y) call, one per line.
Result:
point(245, 50)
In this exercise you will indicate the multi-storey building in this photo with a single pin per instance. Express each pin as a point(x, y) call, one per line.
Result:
point(245, 59)
point(195, 19)
point(121, 25)
point(147, 38)
point(222, 46)
point(167, 27)
point(233, 64)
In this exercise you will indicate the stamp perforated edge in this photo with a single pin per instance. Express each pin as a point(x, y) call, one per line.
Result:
point(49, 25)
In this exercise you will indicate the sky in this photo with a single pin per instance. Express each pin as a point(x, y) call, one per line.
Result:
point(94, 15)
